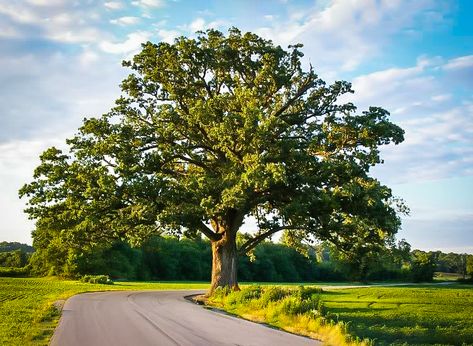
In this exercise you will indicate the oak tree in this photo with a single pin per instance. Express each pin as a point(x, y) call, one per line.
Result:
point(208, 132)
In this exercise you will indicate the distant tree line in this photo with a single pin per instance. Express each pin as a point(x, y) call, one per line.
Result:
point(14, 255)
point(6, 246)
point(171, 258)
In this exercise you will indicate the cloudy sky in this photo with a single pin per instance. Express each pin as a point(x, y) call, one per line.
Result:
point(60, 61)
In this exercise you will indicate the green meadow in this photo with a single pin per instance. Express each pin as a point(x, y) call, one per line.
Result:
point(28, 312)
point(397, 315)
point(401, 315)
point(412, 315)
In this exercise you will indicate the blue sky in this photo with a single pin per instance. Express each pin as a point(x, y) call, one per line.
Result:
point(61, 61)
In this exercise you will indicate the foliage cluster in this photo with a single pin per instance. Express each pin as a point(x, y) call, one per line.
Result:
point(14, 258)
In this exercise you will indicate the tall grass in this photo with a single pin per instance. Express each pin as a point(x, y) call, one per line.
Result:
point(298, 310)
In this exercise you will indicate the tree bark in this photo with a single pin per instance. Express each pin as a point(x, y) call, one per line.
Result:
point(224, 263)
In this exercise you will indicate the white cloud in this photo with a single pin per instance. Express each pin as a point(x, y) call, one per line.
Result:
point(48, 3)
point(439, 129)
point(441, 97)
point(125, 21)
point(342, 34)
point(45, 102)
point(200, 24)
point(59, 21)
point(131, 44)
point(20, 14)
point(459, 63)
point(270, 17)
point(60, 90)
point(18, 159)
point(168, 35)
point(149, 3)
point(114, 5)
point(86, 35)
point(88, 57)
point(197, 24)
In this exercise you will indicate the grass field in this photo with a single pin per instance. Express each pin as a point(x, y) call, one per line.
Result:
point(400, 315)
point(403, 315)
point(27, 312)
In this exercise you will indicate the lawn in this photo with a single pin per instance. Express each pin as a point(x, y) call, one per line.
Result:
point(440, 314)
point(27, 312)
point(406, 315)
point(409, 315)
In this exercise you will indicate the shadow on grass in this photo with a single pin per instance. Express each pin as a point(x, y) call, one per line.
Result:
point(400, 329)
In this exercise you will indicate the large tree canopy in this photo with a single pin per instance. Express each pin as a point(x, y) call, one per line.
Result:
point(212, 130)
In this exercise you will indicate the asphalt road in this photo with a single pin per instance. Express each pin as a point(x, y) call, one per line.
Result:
point(136, 318)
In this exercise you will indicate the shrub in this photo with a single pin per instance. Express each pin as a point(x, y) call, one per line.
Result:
point(307, 292)
point(252, 292)
point(221, 292)
point(97, 279)
point(244, 296)
point(273, 294)
point(294, 305)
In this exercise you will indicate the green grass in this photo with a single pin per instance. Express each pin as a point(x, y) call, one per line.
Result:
point(412, 315)
point(400, 315)
point(27, 312)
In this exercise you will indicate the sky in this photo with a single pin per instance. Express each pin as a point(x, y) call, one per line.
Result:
point(60, 61)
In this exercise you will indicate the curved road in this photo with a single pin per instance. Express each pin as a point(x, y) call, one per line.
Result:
point(158, 318)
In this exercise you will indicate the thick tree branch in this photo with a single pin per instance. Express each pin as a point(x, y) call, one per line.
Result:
point(208, 232)
point(251, 243)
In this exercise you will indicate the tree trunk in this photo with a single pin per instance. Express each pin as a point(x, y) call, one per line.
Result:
point(224, 263)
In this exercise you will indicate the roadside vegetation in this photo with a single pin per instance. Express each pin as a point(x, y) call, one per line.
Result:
point(30, 307)
point(297, 310)
point(411, 315)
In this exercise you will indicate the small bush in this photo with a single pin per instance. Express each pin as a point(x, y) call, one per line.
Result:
point(295, 306)
point(243, 296)
point(273, 294)
point(97, 279)
point(221, 292)
point(252, 292)
point(307, 292)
